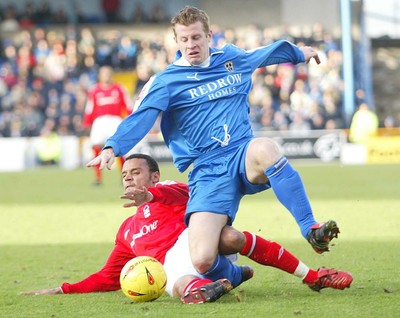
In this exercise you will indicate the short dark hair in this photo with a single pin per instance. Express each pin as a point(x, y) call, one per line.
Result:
point(151, 162)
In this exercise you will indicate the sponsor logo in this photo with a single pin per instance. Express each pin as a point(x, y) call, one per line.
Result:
point(221, 87)
point(146, 229)
point(328, 147)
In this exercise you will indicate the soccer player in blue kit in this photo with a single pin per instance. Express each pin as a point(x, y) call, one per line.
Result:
point(202, 96)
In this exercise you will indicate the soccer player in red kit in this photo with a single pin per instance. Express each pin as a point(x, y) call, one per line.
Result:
point(157, 229)
point(107, 105)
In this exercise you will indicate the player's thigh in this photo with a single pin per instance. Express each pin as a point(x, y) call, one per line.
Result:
point(204, 234)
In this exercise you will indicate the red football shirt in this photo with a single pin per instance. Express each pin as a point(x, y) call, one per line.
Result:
point(106, 100)
point(152, 231)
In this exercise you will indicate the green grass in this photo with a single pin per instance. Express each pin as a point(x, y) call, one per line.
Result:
point(56, 227)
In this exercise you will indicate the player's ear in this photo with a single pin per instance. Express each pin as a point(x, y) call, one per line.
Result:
point(155, 176)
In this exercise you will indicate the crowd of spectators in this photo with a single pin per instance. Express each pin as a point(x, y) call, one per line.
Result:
point(45, 76)
point(45, 13)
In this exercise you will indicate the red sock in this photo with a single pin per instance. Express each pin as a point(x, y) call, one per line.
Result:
point(196, 283)
point(311, 277)
point(269, 253)
point(97, 171)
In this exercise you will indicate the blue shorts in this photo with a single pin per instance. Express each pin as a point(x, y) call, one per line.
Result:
point(218, 182)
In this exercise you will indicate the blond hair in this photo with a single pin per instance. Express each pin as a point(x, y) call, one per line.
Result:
point(189, 15)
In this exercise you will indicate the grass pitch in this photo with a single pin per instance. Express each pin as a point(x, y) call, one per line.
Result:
point(56, 227)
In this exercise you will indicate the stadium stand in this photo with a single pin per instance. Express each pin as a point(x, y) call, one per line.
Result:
point(47, 67)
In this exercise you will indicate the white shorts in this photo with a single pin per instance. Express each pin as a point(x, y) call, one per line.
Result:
point(103, 128)
point(178, 263)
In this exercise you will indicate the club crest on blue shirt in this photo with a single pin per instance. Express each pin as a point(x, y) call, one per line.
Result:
point(229, 66)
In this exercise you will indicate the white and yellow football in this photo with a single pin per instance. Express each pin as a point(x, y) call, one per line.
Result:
point(143, 279)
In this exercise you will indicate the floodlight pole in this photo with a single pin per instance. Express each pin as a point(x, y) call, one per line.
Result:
point(348, 73)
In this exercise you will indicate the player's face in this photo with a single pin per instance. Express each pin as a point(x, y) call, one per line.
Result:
point(193, 42)
point(136, 173)
point(105, 75)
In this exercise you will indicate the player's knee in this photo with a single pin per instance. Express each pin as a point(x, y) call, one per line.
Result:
point(264, 152)
point(232, 241)
point(267, 148)
point(202, 264)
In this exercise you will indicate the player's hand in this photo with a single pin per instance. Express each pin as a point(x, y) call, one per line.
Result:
point(105, 159)
point(310, 53)
point(138, 196)
point(50, 291)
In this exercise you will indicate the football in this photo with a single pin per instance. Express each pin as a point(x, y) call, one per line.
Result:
point(143, 279)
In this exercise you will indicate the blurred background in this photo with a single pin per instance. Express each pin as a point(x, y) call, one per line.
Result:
point(345, 109)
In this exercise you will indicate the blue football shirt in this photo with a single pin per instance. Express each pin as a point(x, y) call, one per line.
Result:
point(203, 107)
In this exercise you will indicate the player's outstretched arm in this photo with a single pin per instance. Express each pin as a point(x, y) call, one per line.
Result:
point(50, 291)
point(310, 53)
point(105, 159)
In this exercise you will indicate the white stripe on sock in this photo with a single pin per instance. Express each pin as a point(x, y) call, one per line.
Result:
point(301, 270)
point(253, 244)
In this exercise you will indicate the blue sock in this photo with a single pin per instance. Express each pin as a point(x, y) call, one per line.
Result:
point(224, 268)
point(289, 189)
